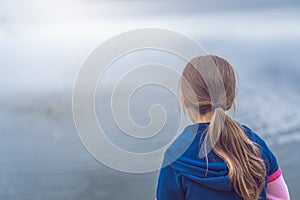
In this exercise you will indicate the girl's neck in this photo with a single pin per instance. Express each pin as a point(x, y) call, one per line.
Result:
point(198, 118)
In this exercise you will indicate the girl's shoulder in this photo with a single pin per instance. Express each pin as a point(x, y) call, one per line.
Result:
point(253, 136)
point(267, 155)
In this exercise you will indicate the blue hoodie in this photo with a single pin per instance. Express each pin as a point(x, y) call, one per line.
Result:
point(192, 178)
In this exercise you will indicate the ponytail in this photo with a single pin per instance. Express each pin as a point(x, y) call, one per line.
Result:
point(246, 168)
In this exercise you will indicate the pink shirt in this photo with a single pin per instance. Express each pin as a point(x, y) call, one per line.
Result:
point(277, 188)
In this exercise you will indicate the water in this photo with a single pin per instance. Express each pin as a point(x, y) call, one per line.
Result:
point(41, 155)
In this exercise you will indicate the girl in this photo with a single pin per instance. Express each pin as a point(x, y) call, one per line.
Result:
point(224, 159)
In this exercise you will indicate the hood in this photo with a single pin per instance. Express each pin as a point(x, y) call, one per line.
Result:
point(182, 156)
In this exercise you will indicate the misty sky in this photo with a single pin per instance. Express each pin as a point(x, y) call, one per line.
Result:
point(42, 41)
point(68, 19)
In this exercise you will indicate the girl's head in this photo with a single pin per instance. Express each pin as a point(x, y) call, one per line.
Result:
point(206, 81)
point(208, 86)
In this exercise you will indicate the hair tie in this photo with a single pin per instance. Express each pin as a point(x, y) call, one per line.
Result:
point(217, 105)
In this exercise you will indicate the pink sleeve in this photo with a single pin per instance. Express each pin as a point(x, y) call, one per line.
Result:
point(274, 176)
point(277, 188)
